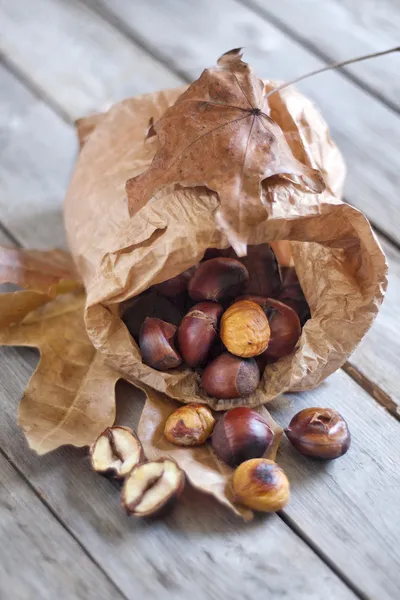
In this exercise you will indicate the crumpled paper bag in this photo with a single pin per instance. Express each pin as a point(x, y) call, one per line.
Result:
point(340, 265)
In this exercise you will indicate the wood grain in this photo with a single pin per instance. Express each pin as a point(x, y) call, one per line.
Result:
point(38, 557)
point(341, 29)
point(366, 130)
point(350, 507)
point(65, 47)
point(200, 551)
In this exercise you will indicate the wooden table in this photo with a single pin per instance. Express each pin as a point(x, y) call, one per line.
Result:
point(62, 532)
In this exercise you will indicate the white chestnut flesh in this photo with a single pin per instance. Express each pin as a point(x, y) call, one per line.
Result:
point(116, 452)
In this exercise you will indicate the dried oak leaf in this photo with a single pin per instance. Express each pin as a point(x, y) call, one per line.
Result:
point(219, 134)
point(203, 469)
point(70, 398)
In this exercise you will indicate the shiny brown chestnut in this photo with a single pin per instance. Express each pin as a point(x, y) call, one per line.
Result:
point(149, 304)
point(284, 324)
point(197, 332)
point(229, 376)
point(240, 434)
point(217, 279)
point(176, 285)
point(156, 342)
point(320, 433)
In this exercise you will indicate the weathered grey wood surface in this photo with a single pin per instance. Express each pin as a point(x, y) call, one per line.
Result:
point(340, 29)
point(338, 538)
point(39, 220)
point(38, 557)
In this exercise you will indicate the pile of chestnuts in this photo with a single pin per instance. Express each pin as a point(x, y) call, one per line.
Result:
point(240, 437)
point(226, 318)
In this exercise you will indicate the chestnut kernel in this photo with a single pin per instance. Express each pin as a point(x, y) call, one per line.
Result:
point(320, 433)
point(156, 342)
point(229, 376)
point(151, 489)
point(261, 485)
point(176, 285)
point(189, 425)
point(218, 278)
point(284, 324)
point(198, 331)
point(115, 452)
point(245, 329)
point(240, 434)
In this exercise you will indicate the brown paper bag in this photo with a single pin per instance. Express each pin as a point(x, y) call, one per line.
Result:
point(340, 265)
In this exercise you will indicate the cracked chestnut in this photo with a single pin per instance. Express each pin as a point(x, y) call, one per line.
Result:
point(229, 376)
point(240, 434)
point(320, 433)
point(156, 342)
point(217, 279)
point(197, 332)
point(262, 485)
point(151, 489)
point(189, 425)
point(245, 330)
point(115, 452)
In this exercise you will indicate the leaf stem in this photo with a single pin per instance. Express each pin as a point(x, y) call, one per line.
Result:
point(337, 65)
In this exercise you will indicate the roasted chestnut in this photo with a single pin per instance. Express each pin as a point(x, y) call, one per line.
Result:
point(240, 434)
point(284, 324)
point(115, 452)
point(245, 329)
point(156, 342)
point(149, 304)
point(198, 331)
point(320, 433)
point(217, 279)
point(261, 485)
point(152, 488)
point(229, 376)
point(189, 425)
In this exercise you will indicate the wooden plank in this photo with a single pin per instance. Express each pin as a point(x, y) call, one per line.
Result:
point(37, 154)
point(341, 29)
point(375, 363)
point(67, 49)
point(192, 35)
point(200, 551)
point(38, 557)
point(350, 507)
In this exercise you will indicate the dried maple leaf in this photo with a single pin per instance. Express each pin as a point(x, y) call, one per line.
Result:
point(219, 134)
point(203, 469)
point(70, 399)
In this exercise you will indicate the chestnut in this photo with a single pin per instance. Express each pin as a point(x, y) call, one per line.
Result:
point(151, 489)
point(240, 434)
point(229, 376)
point(321, 433)
point(189, 425)
point(261, 485)
point(245, 329)
point(284, 324)
point(217, 279)
point(197, 332)
point(176, 285)
point(149, 304)
point(156, 342)
point(115, 452)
